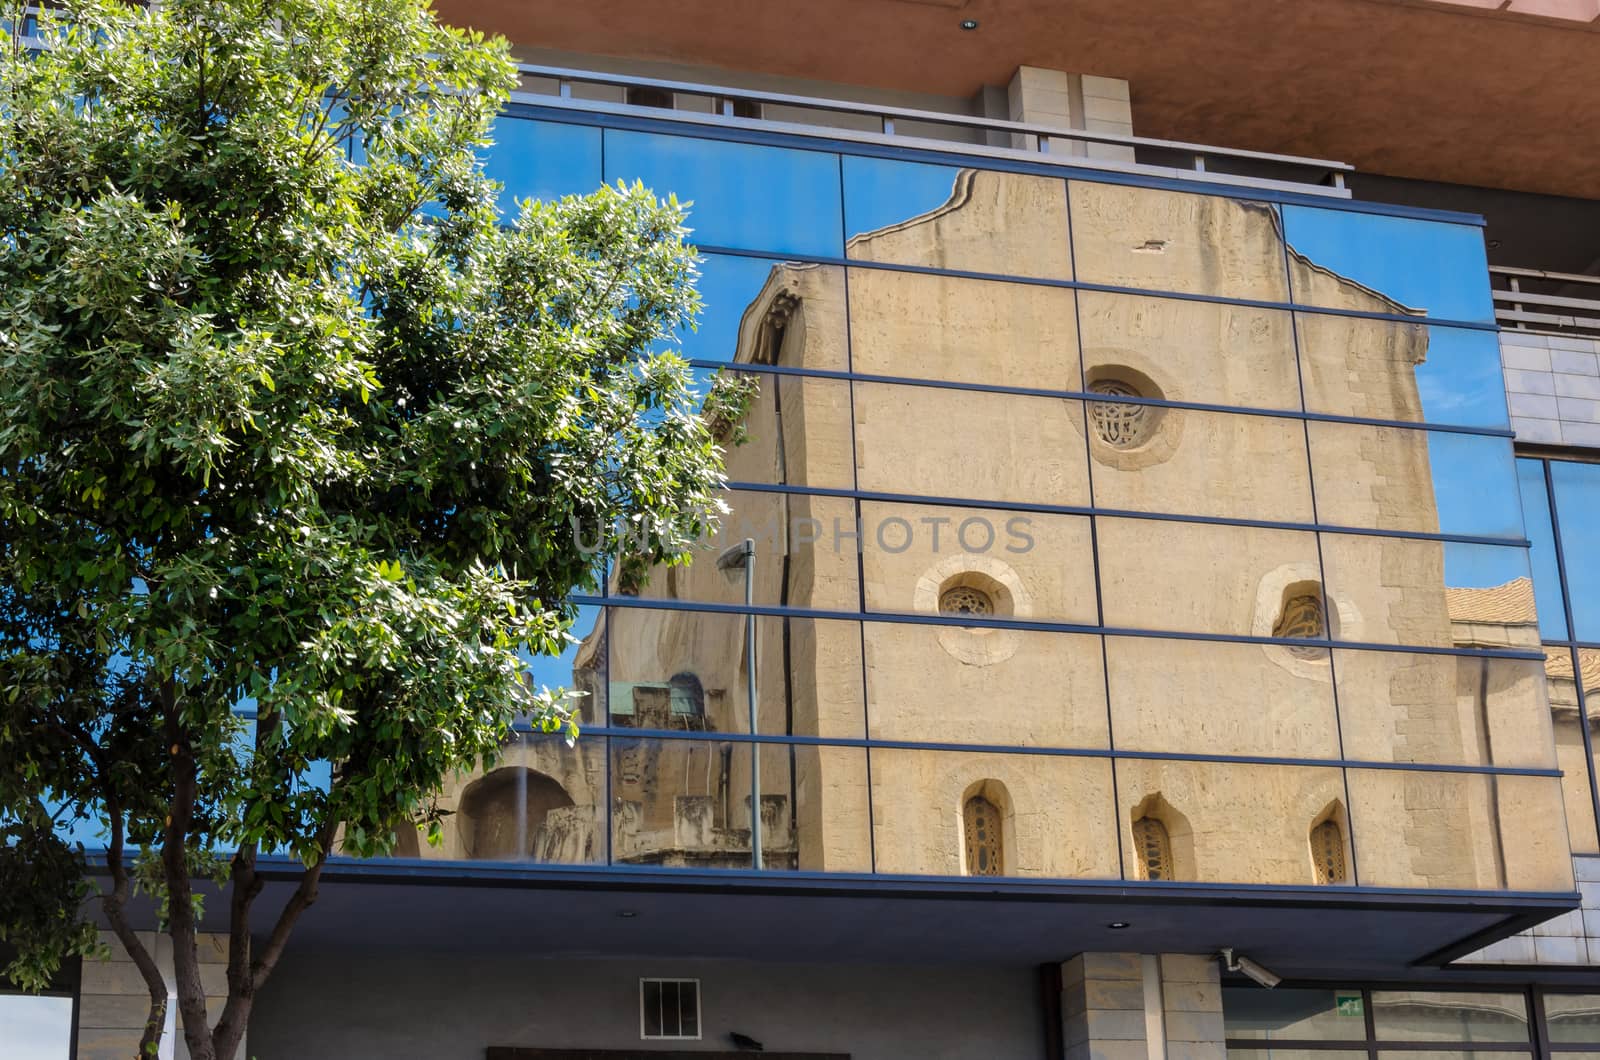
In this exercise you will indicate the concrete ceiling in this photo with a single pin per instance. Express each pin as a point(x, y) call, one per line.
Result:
point(1429, 91)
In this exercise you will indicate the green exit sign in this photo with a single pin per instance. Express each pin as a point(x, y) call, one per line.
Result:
point(1347, 1005)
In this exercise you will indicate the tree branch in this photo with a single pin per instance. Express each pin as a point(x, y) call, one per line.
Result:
point(114, 906)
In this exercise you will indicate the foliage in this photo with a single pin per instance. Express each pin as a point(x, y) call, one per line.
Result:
point(290, 422)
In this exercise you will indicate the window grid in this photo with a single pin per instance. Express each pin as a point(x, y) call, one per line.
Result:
point(669, 1009)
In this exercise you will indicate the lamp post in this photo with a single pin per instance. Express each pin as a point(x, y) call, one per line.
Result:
point(743, 557)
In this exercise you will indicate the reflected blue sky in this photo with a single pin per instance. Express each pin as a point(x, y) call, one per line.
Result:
point(1474, 485)
point(541, 160)
point(36, 1028)
point(727, 286)
point(1429, 265)
point(556, 671)
point(1483, 566)
point(1460, 382)
point(776, 199)
point(879, 192)
point(1546, 574)
point(1577, 506)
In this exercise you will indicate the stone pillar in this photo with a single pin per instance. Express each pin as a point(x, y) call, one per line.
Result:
point(113, 1000)
point(1072, 101)
point(1132, 1006)
point(1191, 1005)
point(1103, 1007)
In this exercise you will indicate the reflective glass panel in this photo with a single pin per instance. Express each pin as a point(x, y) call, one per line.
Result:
point(1161, 240)
point(763, 311)
point(1220, 698)
point(969, 444)
point(686, 671)
point(805, 556)
point(984, 686)
point(1183, 350)
point(1186, 462)
point(1401, 478)
point(1572, 1017)
point(1467, 831)
point(920, 326)
point(539, 802)
point(1389, 590)
point(1250, 1012)
point(1351, 260)
point(1571, 755)
point(1401, 370)
point(1542, 556)
point(1227, 822)
point(1577, 505)
point(686, 803)
point(1441, 1016)
point(1202, 578)
point(541, 160)
point(792, 430)
point(1279, 1053)
point(1054, 813)
point(1443, 709)
point(989, 563)
point(970, 220)
point(775, 199)
point(36, 1027)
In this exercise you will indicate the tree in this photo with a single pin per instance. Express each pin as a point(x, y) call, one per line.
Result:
point(290, 424)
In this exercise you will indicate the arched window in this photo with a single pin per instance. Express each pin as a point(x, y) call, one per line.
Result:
point(1302, 618)
point(1153, 848)
point(1327, 852)
point(686, 696)
point(981, 819)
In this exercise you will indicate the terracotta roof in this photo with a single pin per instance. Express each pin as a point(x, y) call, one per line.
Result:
point(1509, 604)
point(1558, 666)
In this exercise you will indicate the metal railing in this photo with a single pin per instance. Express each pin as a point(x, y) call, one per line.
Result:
point(1551, 303)
point(720, 105)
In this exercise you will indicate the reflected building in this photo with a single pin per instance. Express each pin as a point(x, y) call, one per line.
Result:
point(1190, 408)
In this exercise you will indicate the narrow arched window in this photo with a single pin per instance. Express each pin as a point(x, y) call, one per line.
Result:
point(981, 819)
point(1327, 852)
point(1153, 848)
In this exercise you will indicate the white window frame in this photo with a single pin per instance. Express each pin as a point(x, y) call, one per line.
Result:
point(699, 1023)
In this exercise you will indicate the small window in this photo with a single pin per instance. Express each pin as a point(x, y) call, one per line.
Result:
point(1327, 852)
point(738, 108)
point(1121, 425)
point(1301, 618)
point(686, 696)
point(644, 96)
point(965, 600)
point(1153, 848)
point(669, 1008)
point(981, 819)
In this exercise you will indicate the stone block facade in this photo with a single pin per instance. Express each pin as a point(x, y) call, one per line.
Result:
point(113, 1001)
point(1570, 939)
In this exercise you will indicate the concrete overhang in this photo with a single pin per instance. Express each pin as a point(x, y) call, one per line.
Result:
point(1472, 92)
point(574, 912)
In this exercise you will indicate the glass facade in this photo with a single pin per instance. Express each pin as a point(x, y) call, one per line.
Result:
point(1561, 508)
point(1346, 1023)
point(1084, 513)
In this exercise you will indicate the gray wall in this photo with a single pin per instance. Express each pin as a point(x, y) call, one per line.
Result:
point(1553, 387)
point(397, 1004)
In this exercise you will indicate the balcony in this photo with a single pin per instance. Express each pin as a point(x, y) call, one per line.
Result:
point(715, 106)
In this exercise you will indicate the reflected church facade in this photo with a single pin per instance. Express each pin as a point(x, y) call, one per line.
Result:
point(1126, 576)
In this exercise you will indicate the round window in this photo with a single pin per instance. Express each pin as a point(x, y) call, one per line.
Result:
point(1119, 424)
point(965, 600)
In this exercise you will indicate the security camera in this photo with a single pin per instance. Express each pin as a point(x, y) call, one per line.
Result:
point(1250, 968)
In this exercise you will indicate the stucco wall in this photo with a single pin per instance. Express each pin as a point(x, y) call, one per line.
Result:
point(394, 1005)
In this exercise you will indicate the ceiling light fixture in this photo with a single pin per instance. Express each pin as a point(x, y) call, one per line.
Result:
point(1118, 925)
point(969, 23)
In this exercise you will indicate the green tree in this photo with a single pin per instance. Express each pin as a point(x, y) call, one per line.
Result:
point(289, 419)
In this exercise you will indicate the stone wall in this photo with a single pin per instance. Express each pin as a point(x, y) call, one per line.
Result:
point(113, 1000)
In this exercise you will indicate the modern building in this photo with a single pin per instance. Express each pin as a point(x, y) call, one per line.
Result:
point(1173, 584)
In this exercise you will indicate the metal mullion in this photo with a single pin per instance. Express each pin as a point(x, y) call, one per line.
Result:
point(1572, 631)
point(751, 368)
